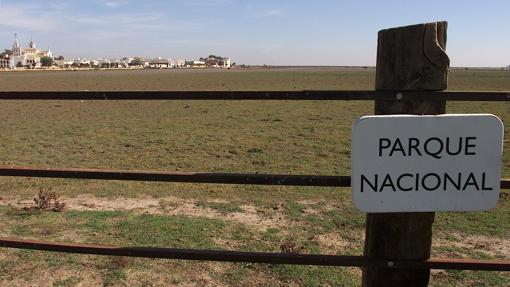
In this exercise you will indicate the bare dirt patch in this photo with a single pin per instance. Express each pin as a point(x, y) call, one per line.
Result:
point(356, 272)
point(256, 217)
point(202, 274)
point(332, 242)
point(260, 219)
point(307, 201)
point(492, 246)
point(316, 207)
point(89, 202)
point(56, 277)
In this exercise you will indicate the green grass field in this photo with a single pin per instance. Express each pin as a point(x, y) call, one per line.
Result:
point(311, 137)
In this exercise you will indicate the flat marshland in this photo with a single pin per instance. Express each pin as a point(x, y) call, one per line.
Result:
point(295, 137)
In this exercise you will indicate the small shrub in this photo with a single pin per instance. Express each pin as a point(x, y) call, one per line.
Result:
point(290, 247)
point(47, 200)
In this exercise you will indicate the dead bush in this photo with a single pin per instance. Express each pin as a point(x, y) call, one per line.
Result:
point(290, 247)
point(47, 200)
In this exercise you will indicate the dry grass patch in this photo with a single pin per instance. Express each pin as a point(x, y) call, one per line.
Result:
point(332, 243)
point(489, 245)
point(256, 217)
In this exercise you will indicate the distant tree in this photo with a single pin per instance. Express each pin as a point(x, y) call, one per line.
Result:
point(212, 57)
point(60, 58)
point(5, 53)
point(46, 61)
point(136, 62)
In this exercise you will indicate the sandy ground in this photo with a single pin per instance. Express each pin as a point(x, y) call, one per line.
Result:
point(257, 218)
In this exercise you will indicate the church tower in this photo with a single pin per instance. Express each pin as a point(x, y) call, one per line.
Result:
point(32, 44)
point(16, 48)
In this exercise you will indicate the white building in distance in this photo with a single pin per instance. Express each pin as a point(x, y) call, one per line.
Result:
point(178, 63)
point(227, 63)
point(29, 57)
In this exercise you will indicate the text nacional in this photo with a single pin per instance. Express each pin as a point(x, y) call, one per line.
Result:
point(434, 147)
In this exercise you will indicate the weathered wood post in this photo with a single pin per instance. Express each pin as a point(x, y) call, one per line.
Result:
point(410, 58)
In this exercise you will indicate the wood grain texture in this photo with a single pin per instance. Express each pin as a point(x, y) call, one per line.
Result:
point(410, 58)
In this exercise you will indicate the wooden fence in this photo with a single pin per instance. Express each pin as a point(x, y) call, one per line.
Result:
point(236, 178)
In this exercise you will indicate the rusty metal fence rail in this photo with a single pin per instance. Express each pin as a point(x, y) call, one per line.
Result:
point(257, 257)
point(238, 178)
point(190, 177)
point(317, 95)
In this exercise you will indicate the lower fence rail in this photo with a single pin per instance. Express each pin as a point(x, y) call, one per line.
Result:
point(223, 255)
point(256, 257)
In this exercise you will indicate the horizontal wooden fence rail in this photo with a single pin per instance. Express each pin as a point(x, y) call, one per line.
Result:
point(254, 95)
point(189, 177)
point(256, 257)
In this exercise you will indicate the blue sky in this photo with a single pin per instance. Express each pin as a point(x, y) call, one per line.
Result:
point(277, 32)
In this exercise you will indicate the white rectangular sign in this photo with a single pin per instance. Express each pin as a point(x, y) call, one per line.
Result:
point(405, 163)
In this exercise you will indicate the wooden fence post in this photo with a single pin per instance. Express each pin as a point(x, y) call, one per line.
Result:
point(410, 58)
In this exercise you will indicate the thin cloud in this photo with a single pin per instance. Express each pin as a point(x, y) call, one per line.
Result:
point(59, 6)
point(208, 3)
point(115, 4)
point(269, 13)
point(84, 20)
point(21, 18)
point(140, 22)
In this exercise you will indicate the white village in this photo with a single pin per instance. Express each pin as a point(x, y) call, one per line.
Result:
point(33, 57)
